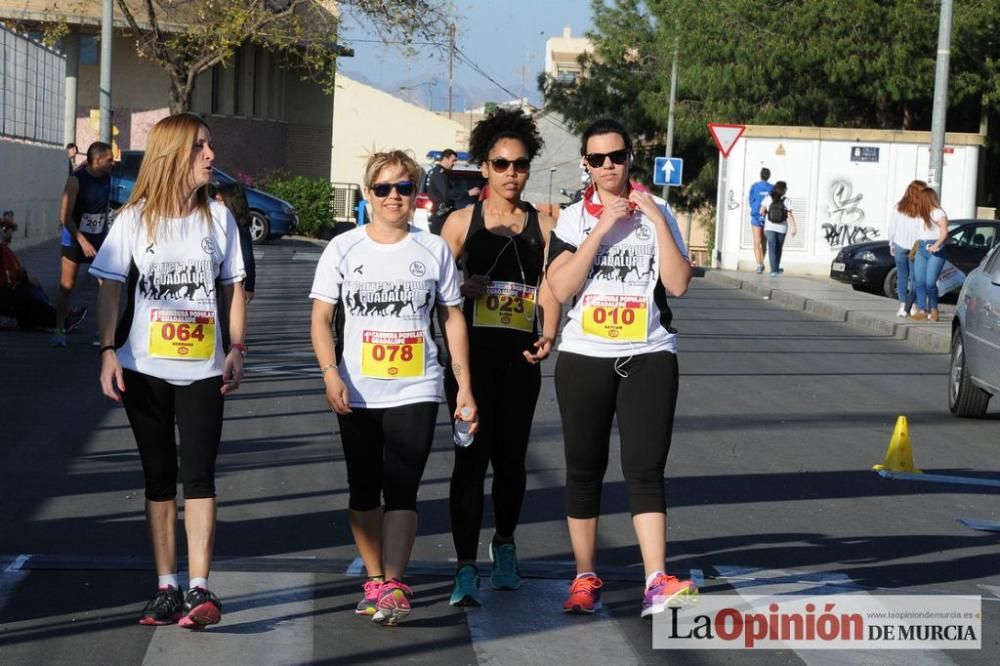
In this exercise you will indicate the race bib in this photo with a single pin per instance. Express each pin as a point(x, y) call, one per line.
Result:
point(506, 305)
point(392, 354)
point(182, 334)
point(92, 223)
point(615, 317)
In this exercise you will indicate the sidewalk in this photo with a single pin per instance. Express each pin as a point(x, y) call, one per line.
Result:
point(835, 301)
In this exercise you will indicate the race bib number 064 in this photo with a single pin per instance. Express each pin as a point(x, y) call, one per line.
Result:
point(182, 334)
point(615, 317)
point(506, 305)
point(392, 354)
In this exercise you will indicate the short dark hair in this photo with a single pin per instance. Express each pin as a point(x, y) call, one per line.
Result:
point(97, 149)
point(71, 145)
point(234, 198)
point(765, 173)
point(605, 126)
point(448, 152)
point(780, 188)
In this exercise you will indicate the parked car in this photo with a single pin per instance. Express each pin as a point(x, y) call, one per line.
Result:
point(270, 217)
point(466, 171)
point(869, 266)
point(975, 341)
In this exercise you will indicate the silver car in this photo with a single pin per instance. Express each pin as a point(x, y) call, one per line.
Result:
point(975, 341)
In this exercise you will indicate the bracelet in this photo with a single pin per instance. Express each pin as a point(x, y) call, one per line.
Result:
point(326, 368)
point(107, 348)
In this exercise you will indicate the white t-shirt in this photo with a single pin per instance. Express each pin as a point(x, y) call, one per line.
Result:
point(905, 230)
point(923, 233)
point(617, 311)
point(387, 294)
point(175, 330)
point(781, 228)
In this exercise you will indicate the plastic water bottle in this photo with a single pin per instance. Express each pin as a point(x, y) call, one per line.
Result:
point(463, 437)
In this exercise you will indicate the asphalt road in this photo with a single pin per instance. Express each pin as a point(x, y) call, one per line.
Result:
point(781, 417)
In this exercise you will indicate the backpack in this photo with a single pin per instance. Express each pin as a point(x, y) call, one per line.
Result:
point(777, 213)
point(11, 270)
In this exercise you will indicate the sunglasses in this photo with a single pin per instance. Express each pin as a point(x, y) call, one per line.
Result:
point(381, 190)
point(501, 164)
point(596, 160)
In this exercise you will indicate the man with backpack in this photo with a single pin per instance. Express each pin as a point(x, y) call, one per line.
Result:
point(758, 191)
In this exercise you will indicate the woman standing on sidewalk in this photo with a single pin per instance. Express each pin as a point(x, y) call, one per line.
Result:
point(779, 220)
point(179, 254)
point(904, 225)
point(618, 252)
point(932, 232)
point(500, 244)
point(380, 282)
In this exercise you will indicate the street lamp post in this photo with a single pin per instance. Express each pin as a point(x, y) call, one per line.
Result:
point(940, 108)
point(552, 170)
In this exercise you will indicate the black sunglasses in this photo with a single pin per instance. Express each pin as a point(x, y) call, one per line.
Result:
point(501, 164)
point(381, 190)
point(596, 160)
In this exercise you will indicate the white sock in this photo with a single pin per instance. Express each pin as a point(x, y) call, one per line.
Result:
point(651, 577)
point(170, 580)
point(586, 573)
point(198, 582)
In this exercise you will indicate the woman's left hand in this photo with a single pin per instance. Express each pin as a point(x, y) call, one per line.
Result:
point(934, 248)
point(232, 371)
point(464, 402)
point(644, 201)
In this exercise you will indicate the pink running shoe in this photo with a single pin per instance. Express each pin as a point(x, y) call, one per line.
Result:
point(393, 603)
point(369, 602)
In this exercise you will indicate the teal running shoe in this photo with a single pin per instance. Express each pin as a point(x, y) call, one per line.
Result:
point(505, 574)
point(466, 592)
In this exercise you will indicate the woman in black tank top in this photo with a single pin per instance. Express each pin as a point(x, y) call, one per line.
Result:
point(512, 320)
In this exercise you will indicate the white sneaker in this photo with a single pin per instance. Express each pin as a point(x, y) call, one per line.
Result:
point(901, 312)
point(914, 309)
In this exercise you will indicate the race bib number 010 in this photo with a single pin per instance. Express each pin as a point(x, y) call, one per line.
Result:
point(506, 305)
point(392, 354)
point(615, 317)
point(182, 334)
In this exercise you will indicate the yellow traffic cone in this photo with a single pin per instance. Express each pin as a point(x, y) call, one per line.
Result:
point(899, 456)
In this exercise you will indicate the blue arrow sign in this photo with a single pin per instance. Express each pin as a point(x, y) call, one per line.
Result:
point(668, 171)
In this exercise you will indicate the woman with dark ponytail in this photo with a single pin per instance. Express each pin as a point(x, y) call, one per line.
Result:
point(512, 320)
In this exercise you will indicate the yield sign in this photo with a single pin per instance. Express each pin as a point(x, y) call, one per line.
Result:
point(726, 136)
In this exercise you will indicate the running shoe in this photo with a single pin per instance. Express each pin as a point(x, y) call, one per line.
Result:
point(201, 608)
point(668, 592)
point(166, 607)
point(466, 592)
point(75, 318)
point(760, 268)
point(58, 338)
point(505, 574)
point(369, 601)
point(584, 595)
point(393, 603)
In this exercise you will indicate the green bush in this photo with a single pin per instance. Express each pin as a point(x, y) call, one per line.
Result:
point(311, 198)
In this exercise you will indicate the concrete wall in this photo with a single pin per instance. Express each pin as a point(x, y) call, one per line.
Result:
point(33, 178)
point(367, 120)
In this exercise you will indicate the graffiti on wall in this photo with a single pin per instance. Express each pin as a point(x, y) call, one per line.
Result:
point(846, 225)
point(731, 202)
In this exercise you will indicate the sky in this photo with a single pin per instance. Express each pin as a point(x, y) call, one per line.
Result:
point(505, 38)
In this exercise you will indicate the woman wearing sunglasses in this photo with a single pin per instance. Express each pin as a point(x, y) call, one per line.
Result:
point(618, 253)
point(500, 243)
point(381, 282)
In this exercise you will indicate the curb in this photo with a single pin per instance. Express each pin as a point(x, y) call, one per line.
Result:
point(932, 337)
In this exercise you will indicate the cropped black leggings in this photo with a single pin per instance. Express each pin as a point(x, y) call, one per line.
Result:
point(152, 406)
point(590, 395)
point(386, 451)
point(506, 388)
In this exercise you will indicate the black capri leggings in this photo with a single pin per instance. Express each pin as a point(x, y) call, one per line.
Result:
point(385, 451)
point(152, 406)
point(590, 395)
point(506, 389)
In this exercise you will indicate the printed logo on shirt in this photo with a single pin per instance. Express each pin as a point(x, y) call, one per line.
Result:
point(178, 280)
point(620, 262)
point(208, 245)
point(404, 300)
point(417, 269)
point(643, 233)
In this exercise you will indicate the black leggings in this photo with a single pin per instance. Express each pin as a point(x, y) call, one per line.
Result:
point(152, 406)
point(505, 387)
point(590, 395)
point(385, 451)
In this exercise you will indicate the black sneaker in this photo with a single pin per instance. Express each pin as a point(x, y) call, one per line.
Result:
point(166, 607)
point(75, 318)
point(201, 608)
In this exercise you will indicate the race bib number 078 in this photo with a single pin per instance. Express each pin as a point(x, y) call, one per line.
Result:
point(392, 354)
point(615, 317)
point(182, 334)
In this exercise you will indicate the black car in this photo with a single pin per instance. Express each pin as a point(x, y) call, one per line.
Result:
point(870, 267)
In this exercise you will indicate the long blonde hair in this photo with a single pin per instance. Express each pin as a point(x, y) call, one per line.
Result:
point(162, 182)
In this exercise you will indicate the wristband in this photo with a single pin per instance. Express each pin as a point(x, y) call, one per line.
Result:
point(241, 348)
point(107, 348)
point(326, 368)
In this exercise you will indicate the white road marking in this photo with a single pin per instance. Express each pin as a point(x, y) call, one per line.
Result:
point(312, 257)
point(356, 567)
point(11, 576)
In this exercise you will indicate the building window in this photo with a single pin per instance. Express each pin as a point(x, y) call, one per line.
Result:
point(216, 88)
point(567, 78)
point(88, 50)
point(237, 80)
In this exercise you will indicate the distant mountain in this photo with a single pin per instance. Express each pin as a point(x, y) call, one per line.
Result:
point(432, 92)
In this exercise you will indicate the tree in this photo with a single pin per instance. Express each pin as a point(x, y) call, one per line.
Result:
point(189, 37)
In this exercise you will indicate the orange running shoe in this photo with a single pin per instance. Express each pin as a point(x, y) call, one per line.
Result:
point(584, 595)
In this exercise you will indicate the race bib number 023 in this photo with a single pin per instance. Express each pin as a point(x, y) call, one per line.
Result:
point(506, 305)
point(182, 334)
point(392, 354)
point(615, 317)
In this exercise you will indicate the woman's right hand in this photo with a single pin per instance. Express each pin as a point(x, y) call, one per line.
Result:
point(614, 211)
point(112, 376)
point(475, 286)
point(336, 392)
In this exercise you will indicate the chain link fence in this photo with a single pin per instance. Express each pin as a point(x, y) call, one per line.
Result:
point(31, 90)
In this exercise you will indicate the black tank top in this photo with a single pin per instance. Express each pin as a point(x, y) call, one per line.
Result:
point(516, 259)
point(90, 213)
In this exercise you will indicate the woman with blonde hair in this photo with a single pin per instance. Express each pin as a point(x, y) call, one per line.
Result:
point(381, 283)
point(931, 253)
point(166, 359)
